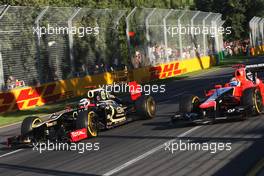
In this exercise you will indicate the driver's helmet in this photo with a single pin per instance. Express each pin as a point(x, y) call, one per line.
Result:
point(233, 82)
point(249, 75)
point(84, 103)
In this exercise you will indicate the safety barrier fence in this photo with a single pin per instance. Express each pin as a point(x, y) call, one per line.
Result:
point(54, 52)
point(256, 26)
point(30, 97)
point(164, 35)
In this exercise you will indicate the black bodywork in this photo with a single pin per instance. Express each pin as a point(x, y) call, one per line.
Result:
point(110, 112)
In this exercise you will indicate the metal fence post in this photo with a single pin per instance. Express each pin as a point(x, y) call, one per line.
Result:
point(116, 22)
point(39, 17)
point(259, 31)
point(256, 31)
point(261, 24)
point(5, 9)
point(222, 41)
point(192, 27)
point(250, 32)
point(2, 79)
point(127, 31)
point(253, 32)
point(71, 40)
point(179, 30)
point(204, 35)
point(218, 23)
point(147, 30)
point(251, 35)
point(165, 33)
point(147, 24)
point(192, 19)
point(214, 23)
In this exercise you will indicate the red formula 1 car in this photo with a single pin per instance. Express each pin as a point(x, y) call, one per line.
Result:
point(243, 96)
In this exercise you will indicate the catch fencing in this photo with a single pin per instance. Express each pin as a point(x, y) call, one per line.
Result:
point(256, 25)
point(164, 35)
point(45, 44)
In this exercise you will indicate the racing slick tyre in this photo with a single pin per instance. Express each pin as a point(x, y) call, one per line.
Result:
point(146, 107)
point(252, 100)
point(28, 124)
point(88, 120)
point(189, 103)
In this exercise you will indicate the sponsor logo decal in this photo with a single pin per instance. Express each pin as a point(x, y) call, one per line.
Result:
point(167, 70)
point(78, 135)
point(30, 97)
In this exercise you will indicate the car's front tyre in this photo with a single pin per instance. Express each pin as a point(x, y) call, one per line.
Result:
point(88, 120)
point(252, 100)
point(146, 107)
point(189, 103)
point(28, 124)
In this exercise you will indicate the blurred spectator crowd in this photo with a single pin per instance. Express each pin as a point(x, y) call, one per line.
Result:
point(12, 83)
point(158, 54)
point(237, 48)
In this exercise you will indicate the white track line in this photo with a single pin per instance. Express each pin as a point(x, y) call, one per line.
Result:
point(144, 155)
point(5, 126)
point(10, 153)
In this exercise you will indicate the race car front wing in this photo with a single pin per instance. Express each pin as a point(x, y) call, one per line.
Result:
point(202, 118)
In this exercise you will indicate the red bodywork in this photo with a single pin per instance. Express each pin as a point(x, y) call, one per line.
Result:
point(243, 83)
point(134, 90)
point(78, 135)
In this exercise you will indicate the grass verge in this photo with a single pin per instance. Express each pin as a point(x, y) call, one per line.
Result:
point(17, 116)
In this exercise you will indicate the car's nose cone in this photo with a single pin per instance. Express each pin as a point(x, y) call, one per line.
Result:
point(208, 104)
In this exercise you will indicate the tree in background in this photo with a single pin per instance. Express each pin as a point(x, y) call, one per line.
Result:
point(237, 13)
point(103, 3)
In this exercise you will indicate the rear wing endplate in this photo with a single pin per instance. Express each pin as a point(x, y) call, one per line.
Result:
point(255, 67)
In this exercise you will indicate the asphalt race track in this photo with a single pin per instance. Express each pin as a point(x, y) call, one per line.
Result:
point(138, 148)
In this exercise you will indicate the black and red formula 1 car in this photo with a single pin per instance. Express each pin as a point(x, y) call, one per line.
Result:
point(100, 110)
point(243, 96)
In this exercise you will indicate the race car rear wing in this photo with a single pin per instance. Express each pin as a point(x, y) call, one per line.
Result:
point(255, 68)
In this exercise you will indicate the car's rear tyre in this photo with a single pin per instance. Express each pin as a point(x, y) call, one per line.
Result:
point(28, 124)
point(88, 120)
point(252, 100)
point(189, 103)
point(146, 107)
